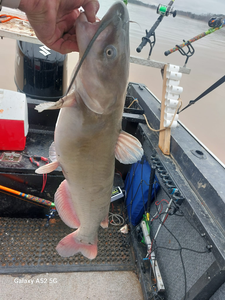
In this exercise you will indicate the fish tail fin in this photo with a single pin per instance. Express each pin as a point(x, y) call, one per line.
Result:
point(70, 246)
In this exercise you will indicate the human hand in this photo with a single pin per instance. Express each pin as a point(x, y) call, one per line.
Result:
point(53, 21)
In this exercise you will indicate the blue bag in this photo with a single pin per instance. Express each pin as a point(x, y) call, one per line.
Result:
point(137, 187)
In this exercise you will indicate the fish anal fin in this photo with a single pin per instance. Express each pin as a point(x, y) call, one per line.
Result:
point(128, 149)
point(70, 246)
point(64, 206)
point(47, 168)
point(66, 101)
point(105, 223)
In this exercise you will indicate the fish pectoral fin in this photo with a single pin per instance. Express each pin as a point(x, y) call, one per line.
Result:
point(46, 106)
point(64, 206)
point(70, 246)
point(47, 168)
point(128, 149)
point(66, 101)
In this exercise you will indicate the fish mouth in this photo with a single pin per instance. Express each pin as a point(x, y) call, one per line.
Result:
point(87, 33)
point(115, 15)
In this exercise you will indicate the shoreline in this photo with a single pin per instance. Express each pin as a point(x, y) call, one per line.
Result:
point(180, 13)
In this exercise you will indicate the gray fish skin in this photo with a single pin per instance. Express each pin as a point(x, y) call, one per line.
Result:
point(87, 131)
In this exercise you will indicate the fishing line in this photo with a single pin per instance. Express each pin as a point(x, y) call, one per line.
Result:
point(102, 26)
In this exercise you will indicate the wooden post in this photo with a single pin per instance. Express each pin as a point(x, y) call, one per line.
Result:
point(164, 135)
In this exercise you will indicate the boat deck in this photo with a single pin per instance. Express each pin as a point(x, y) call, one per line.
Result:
point(28, 246)
point(30, 265)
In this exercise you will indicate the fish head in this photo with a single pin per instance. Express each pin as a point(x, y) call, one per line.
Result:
point(102, 78)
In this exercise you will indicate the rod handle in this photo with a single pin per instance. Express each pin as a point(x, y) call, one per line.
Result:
point(142, 44)
point(166, 53)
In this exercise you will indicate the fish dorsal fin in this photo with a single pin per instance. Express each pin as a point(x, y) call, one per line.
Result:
point(128, 149)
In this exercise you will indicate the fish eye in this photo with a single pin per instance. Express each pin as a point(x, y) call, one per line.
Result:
point(110, 51)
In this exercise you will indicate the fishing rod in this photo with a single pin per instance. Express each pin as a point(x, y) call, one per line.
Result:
point(214, 23)
point(163, 11)
point(35, 200)
point(32, 198)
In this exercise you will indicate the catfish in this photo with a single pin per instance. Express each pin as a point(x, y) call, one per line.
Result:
point(88, 133)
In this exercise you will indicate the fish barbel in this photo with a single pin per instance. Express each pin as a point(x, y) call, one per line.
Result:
point(88, 134)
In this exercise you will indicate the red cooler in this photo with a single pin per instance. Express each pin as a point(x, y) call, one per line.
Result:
point(13, 120)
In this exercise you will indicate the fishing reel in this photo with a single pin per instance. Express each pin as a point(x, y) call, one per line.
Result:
point(215, 22)
point(165, 10)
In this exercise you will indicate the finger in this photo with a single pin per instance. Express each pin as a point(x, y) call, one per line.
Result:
point(66, 23)
point(62, 37)
point(65, 45)
point(91, 8)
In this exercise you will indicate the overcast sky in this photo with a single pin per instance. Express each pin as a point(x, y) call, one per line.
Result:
point(194, 6)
